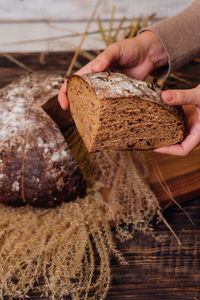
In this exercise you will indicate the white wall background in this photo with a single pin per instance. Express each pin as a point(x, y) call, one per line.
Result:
point(44, 25)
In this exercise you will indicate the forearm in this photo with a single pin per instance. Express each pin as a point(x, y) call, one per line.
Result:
point(180, 36)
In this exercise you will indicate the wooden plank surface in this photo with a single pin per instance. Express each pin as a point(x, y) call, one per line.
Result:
point(181, 174)
point(157, 268)
point(50, 25)
point(51, 10)
point(51, 36)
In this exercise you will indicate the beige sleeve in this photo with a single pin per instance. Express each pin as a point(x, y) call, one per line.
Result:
point(180, 36)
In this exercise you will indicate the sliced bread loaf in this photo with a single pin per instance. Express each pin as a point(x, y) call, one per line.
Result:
point(113, 111)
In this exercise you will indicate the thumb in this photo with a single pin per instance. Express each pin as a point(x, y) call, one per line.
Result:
point(182, 97)
point(106, 58)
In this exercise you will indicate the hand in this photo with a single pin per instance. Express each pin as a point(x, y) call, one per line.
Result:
point(191, 101)
point(136, 57)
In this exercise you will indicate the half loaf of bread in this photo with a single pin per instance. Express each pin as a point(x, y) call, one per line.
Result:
point(113, 111)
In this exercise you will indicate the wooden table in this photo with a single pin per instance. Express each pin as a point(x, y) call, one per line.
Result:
point(157, 268)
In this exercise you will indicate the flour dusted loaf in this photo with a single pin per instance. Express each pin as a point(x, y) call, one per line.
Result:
point(113, 111)
point(36, 165)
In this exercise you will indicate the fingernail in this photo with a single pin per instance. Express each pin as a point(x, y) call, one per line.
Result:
point(168, 96)
point(64, 105)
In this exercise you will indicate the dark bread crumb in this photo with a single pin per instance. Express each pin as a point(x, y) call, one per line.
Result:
point(113, 111)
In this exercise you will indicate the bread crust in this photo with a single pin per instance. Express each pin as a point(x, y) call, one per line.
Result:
point(109, 87)
point(36, 165)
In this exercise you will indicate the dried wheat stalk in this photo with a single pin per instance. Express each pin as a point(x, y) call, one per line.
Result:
point(31, 239)
point(82, 38)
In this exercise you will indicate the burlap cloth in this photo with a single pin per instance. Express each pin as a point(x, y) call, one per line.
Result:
point(68, 248)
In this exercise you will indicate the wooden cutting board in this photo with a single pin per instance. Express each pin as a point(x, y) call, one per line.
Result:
point(181, 174)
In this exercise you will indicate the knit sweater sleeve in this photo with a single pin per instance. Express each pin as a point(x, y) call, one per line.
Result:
point(180, 36)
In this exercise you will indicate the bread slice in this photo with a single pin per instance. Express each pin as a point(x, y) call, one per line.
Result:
point(113, 111)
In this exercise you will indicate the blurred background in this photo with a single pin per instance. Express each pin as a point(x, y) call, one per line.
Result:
point(57, 25)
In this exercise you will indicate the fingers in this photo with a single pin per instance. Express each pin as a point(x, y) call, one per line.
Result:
point(62, 97)
point(86, 69)
point(182, 97)
point(106, 58)
point(99, 64)
point(191, 141)
point(183, 149)
point(190, 98)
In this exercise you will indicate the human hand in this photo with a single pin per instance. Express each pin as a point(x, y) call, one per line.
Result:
point(190, 99)
point(136, 57)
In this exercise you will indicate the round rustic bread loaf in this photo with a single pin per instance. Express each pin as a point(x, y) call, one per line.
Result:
point(113, 111)
point(36, 165)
